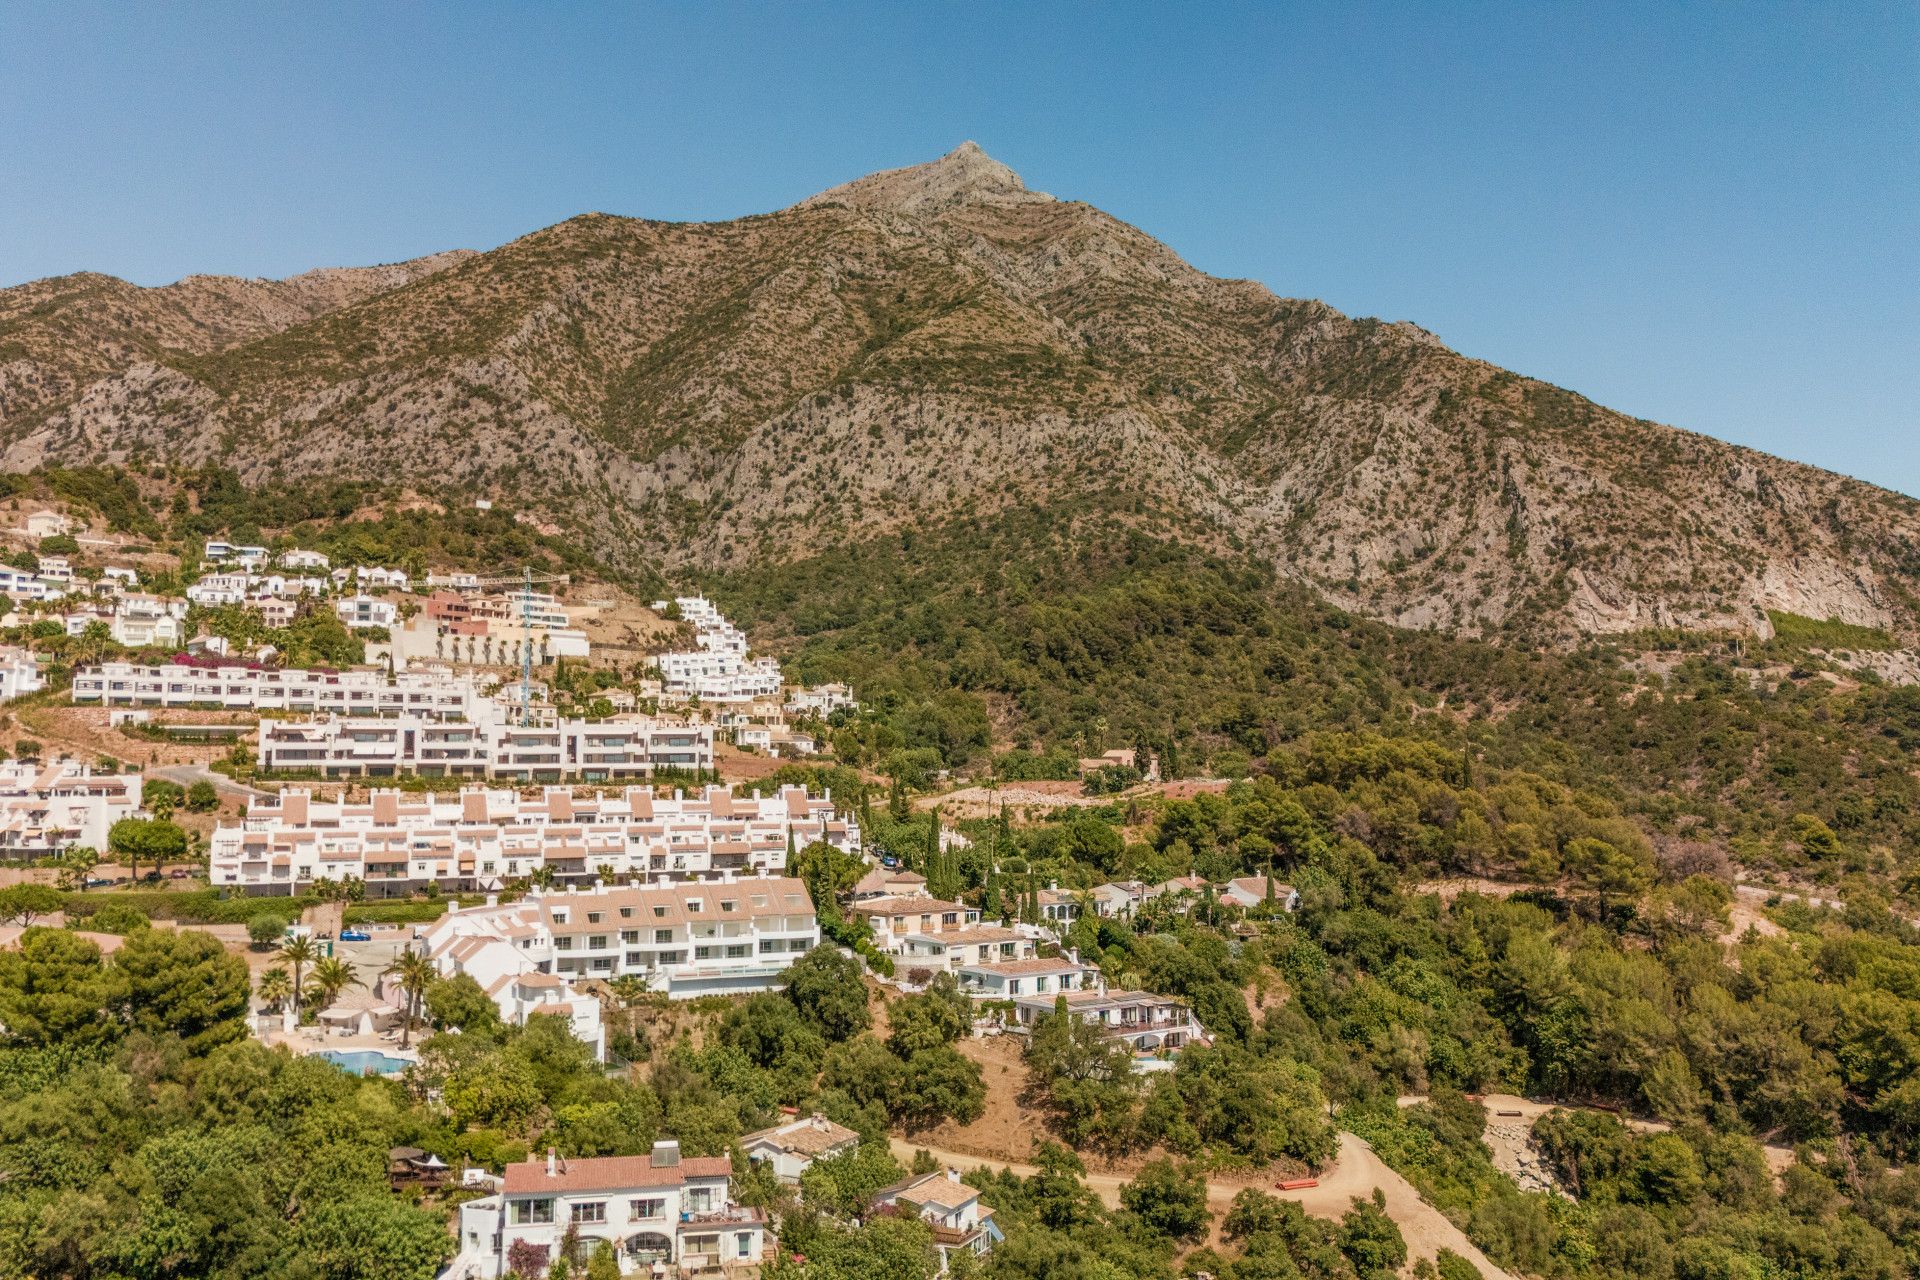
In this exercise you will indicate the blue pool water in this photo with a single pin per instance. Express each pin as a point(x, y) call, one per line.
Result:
point(361, 1061)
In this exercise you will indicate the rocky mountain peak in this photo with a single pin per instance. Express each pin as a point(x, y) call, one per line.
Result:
point(965, 175)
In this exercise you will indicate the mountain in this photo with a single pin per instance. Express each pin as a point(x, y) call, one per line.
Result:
point(938, 344)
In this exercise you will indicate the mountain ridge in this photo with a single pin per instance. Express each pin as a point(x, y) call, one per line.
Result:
point(938, 341)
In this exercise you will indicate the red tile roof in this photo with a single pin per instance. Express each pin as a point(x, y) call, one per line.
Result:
point(609, 1173)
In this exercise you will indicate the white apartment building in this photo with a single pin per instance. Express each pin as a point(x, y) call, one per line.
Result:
point(19, 675)
point(45, 809)
point(362, 612)
point(488, 746)
point(657, 1211)
point(301, 559)
point(237, 687)
point(731, 936)
point(56, 571)
point(482, 838)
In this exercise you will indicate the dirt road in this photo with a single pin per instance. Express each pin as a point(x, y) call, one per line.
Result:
point(1354, 1173)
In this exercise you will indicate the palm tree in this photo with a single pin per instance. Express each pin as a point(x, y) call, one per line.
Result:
point(331, 976)
point(299, 952)
point(275, 988)
point(413, 973)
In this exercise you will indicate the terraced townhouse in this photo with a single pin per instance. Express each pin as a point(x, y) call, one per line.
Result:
point(628, 749)
point(250, 687)
point(483, 838)
point(733, 935)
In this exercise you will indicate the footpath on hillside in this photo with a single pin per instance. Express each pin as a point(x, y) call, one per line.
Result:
point(1355, 1173)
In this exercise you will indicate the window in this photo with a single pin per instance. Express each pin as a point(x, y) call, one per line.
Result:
point(595, 917)
point(563, 943)
point(646, 1210)
point(589, 1211)
point(739, 952)
point(743, 1243)
point(630, 937)
point(727, 905)
point(532, 1211)
point(597, 942)
point(663, 935)
point(626, 913)
point(658, 911)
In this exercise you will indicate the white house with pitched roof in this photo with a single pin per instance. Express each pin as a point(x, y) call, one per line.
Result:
point(656, 1210)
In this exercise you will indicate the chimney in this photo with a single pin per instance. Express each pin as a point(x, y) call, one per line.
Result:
point(553, 1164)
point(1054, 885)
point(666, 1153)
point(953, 1174)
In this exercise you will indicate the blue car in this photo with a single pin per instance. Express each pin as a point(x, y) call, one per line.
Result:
point(355, 935)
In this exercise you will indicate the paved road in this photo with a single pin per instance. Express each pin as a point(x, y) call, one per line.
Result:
point(188, 774)
point(1355, 1172)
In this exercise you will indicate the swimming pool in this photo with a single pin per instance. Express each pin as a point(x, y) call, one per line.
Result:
point(365, 1061)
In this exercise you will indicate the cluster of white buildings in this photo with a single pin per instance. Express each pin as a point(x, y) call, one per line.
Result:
point(239, 576)
point(656, 1211)
point(719, 669)
point(633, 748)
point(1003, 963)
point(46, 809)
point(480, 839)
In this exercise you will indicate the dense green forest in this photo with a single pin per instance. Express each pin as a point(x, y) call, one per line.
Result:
point(1063, 633)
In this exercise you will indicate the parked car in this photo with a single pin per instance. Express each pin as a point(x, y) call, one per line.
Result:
point(178, 873)
point(355, 935)
point(98, 882)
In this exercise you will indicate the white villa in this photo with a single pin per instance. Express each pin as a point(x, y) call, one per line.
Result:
point(950, 1207)
point(1034, 976)
point(657, 1211)
point(791, 1147)
point(1251, 891)
point(1150, 1024)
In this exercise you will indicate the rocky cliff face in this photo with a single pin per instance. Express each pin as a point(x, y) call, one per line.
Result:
point(939, 343)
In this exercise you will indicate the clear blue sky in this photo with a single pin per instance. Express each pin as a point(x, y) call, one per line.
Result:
point(1708, 215)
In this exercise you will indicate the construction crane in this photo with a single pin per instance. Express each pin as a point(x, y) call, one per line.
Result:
point(525, 580)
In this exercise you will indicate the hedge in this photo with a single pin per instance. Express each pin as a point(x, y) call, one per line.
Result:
point(196, 906)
